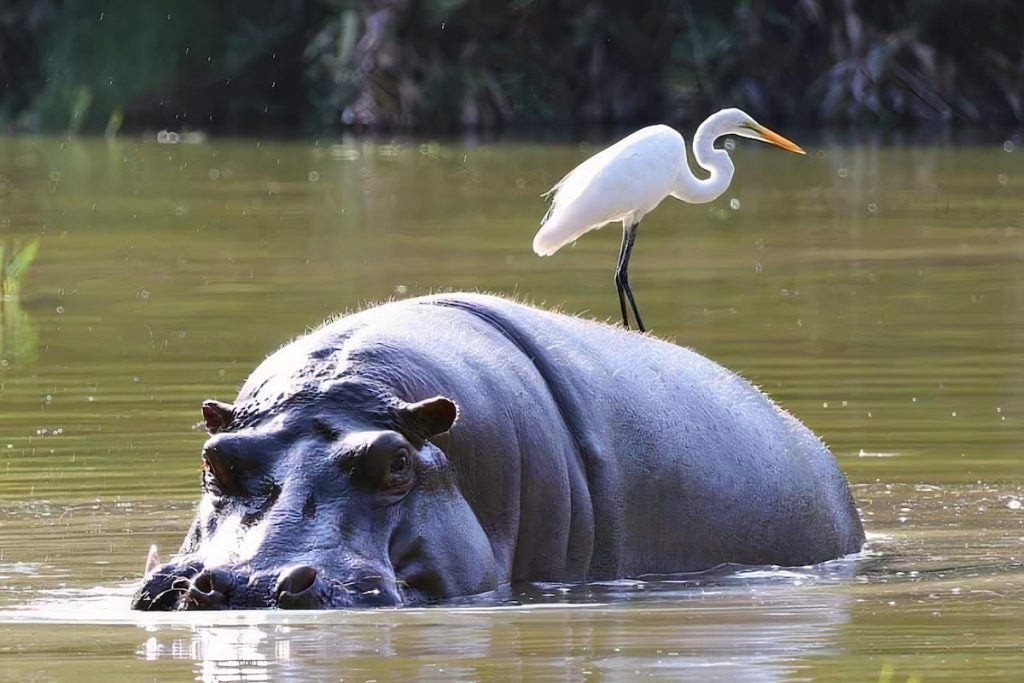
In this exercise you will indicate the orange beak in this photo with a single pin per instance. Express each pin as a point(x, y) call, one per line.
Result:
point(774, 138)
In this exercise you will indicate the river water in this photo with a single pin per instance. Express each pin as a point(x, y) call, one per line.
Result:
point(877, 292)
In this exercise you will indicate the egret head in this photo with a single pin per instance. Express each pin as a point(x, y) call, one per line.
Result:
point(738, 122)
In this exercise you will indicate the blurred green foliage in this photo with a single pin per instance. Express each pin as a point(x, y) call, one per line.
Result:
point(19, 341)
point(289, 65)
point(14, 264)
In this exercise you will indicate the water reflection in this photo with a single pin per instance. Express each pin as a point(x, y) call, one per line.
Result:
point(941, 561)
point(755, 626)
point(19, 340)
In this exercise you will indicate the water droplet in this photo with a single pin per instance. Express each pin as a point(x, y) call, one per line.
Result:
point(144, 295)
point(843, 173)
point(60, 310)
point(953, 413)
point(758, 268)
point(872, 208)
point(825, 404)
point(734, 204)
point(314, 177)
point(1003, 178)
point(914, 399)
point(759, 244)
point(214, 174)
point(1008, 146)
point(1013, 504)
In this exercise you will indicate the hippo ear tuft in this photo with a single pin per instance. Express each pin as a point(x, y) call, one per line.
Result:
point(431, 416)
point(217, 415)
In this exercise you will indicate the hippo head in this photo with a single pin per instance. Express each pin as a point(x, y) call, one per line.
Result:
point(314, 504)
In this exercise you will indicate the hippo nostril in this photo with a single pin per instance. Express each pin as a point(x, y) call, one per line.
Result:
point(203, 582)
point(204, 599)
point(211, 588)
point(215, 580)
point(296, 580)
point(295, 588)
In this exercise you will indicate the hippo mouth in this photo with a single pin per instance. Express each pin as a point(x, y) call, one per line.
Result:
point(188, 585)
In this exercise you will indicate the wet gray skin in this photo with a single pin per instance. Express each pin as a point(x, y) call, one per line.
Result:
point(448, 445)
point(312, 508)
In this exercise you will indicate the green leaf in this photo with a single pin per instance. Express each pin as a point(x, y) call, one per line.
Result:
point(13, 271)
point(22, 259)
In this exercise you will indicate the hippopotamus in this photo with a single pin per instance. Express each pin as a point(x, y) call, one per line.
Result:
point(454, 444)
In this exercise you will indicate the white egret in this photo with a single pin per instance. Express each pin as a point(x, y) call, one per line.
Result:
point(628, 180)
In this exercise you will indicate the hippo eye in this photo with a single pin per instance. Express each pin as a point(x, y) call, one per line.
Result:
point(386, 467)
point(220, 474)
point(400, 463)
point(211, 483)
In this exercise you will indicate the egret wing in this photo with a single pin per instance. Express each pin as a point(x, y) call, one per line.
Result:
point(623, 182)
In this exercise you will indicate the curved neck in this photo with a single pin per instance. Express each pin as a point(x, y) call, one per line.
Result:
point(692, 189)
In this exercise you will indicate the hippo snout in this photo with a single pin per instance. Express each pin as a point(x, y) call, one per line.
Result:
point(190, 586)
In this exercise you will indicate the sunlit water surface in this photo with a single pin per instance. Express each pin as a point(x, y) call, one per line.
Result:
point(877, 293)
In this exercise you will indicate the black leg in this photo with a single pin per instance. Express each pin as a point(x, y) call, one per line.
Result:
point(622, 276)
point(619, 277)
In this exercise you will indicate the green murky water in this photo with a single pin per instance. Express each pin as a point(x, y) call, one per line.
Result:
point(878, 293)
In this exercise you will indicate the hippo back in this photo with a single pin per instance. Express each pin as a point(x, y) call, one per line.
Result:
point(589, 451)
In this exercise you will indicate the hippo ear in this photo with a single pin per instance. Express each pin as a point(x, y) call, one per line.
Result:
point(217, 415)
point(432, 416)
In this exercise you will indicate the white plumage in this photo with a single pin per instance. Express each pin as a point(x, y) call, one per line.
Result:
point(626, 181)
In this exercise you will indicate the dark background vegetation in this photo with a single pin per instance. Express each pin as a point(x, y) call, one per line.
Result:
point(294, 66)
